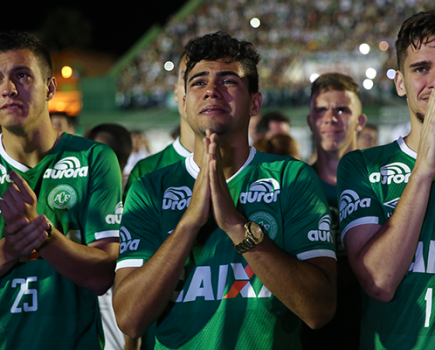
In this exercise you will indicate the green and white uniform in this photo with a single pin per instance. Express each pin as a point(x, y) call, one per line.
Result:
point(170, 155)
point(370, 184)
point(78, 185)
point(221, 304)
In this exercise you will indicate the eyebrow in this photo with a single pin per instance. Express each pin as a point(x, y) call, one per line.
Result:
point(421, 63)
point(219, 74)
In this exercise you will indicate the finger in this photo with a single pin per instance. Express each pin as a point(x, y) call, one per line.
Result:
point(30, 235)
point(15, 197)
point(430, 109)
point(11, 210)
point(16, 225)
point(23, 186)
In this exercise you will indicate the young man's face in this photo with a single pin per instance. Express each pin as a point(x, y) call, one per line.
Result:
point(217, 98)
point(335, 118)
point(24, 91)
point(416, 79)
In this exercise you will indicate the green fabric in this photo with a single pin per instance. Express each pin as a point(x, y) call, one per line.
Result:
point(78, 185)
point(221, 304)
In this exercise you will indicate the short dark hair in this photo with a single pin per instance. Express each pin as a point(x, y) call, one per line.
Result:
point(221, 45)
point(116, 137)
point(14, 40)
point(334, 81)
point(416, 29)
point(263, 124)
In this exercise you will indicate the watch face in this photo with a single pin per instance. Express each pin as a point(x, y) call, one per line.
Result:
point(257, 232)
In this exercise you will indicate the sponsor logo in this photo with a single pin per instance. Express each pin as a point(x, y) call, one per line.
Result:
point(392, 203)
point(62, 197)
point(350, 202)
point(176, 198)
point(68, 167)
point(126, 242)
point(115, 218)
point(394, 172)
point(267, 221)
point(4, 175)
point(201, 286)
point(324, 231)
point(266, 190)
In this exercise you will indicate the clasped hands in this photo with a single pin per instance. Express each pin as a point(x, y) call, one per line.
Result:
point(25, 230)
point(211, 194)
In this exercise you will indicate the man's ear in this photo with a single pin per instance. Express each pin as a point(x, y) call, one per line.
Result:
point(257, 101)
point(309, 121)
point(51, 88)
point(362, 120)
point(399, 82)
point(176, 93)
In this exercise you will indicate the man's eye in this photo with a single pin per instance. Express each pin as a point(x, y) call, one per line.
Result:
point(22, 75)
point(420, 69)
point(227, 81)
point(197, 83)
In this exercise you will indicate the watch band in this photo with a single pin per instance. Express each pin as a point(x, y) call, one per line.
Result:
point(250, 240)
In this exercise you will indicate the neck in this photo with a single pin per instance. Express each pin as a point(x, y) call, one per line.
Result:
point(413, 139)
point(31, 147)
point(233, 155)
point(327, 163)
point(187, 137)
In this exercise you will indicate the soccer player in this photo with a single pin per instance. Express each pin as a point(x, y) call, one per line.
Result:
point(335, 119)
point(59, 213)
point(386, 208)
point(229, 248)
point(177, 150)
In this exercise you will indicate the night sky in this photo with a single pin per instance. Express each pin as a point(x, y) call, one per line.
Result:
point(113, 28)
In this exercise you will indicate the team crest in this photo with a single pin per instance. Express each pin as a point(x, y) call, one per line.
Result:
point(62, 197)
point(266, 220)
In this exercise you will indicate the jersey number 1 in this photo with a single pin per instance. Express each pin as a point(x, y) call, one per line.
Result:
point(25, 290)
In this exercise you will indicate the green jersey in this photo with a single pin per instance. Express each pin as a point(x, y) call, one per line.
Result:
point(170, 155)
point(370, 184)
point(78, 185)
point(220, 303)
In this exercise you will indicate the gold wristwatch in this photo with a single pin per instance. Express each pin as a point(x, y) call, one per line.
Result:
point(254, 235)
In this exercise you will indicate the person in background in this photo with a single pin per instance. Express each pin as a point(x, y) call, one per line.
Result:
point(273, 123)
point(57, 247)
point(118, 139)
point(368, 137)
point(279, 144)
point(387, 208)
point(62, 122)
point(335, 119)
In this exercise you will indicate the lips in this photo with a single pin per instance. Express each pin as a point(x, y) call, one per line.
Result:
point(211, 109)
point(10, 106)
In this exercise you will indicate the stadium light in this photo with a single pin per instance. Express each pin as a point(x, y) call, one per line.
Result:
point(169, 66)
point(255, 22)
point(368, 84)
point(383, 45)
point(371, 73)
point(313, 77)
point(364, 48)
point(391, 73)
point(66, 72)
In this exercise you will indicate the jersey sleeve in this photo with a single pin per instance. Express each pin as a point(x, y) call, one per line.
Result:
point(358, 203)
point(307, 219)
point(140, 232)
point(104, 209)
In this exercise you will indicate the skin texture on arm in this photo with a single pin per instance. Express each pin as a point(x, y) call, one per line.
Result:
point(381, 255)
point(89, 266)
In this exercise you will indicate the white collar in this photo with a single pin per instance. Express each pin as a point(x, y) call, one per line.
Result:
point(193, 168)
point(21, 167)
point(179, 148)
point(404, 147)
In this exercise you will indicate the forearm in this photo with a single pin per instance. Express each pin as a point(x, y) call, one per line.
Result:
point(141, 296)
point(6, 260)
point(382, 258)
point(87, 266)
point(303, 287)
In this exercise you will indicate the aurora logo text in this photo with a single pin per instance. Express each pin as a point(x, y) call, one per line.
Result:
point(115, 218)
point(4, 175)
point(266, 190)
point(323, 233)
point(394, 172)
point(67, 167)
point(201, 286)
point(126, 241)
point(176, 198)
point(350, 202)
